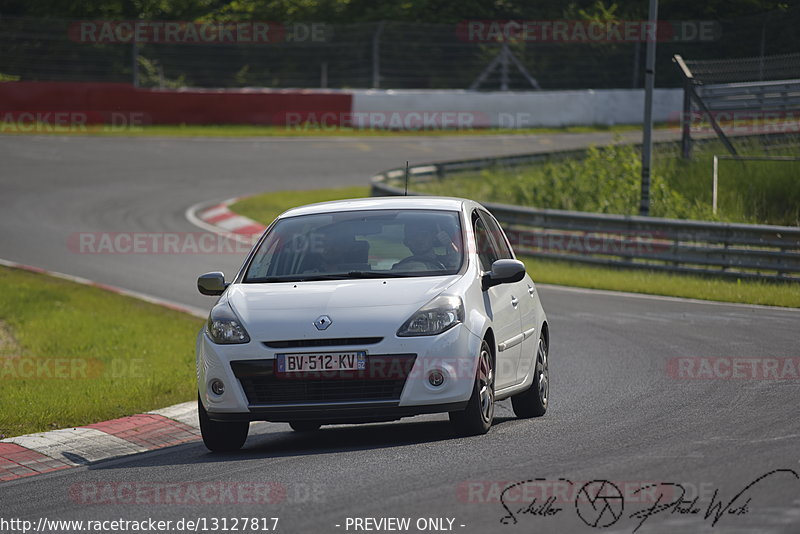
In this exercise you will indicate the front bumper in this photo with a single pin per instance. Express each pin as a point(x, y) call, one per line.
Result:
point(394, 385)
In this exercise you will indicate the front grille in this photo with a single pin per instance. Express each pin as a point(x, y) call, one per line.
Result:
point(333, 342)
point(382, 380)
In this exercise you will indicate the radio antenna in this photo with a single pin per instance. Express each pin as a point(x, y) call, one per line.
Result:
point(406, 193)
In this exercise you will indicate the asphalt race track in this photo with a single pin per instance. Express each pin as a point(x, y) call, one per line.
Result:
point(617, 413)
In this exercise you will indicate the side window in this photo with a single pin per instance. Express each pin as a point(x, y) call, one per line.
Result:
point(503, 250)
point(483, 242)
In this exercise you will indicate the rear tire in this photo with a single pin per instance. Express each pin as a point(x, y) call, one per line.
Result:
point(477, 418)
point(305, 426)
point(533, 401)
point(221, 436)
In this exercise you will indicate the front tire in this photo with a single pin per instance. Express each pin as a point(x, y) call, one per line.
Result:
point(221, 436)
point(477, 418)
point(533, 401)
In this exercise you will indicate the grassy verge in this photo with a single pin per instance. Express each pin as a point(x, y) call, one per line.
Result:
point(72, 355)
point(575, 274)
point(245, 130)
point(267, 206)
point(608, 181)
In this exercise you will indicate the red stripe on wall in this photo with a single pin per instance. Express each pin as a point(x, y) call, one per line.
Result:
point(104, 102)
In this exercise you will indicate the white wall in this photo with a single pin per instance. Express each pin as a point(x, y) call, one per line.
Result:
point(515, 109)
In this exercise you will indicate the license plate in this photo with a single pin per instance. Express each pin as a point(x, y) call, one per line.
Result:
point(322, 361)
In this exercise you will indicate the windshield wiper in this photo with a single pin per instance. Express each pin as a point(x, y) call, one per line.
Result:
point(271, 279)
point(351, 275)
point(376, 274)
point(332, 276)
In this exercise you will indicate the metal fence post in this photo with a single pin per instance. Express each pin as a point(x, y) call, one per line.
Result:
point(686, 122)
point(135, 63)
point(689, 88)
point(504, 67)
point(376, 55)
point(714, 186)
point(762, 48)
point(649, 84)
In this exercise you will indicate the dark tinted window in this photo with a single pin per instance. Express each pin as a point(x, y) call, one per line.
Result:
point(483, 243)
point(503, 250)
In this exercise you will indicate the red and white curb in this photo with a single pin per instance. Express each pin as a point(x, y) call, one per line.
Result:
point(218, 218)
point(32, 454)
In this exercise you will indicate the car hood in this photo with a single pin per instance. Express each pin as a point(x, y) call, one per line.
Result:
point(357, 308)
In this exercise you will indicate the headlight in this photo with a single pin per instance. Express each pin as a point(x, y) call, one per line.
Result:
point(437, 316)
point(224, 327)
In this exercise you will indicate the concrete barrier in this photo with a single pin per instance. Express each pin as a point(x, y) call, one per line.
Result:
point(520, 109)
point(78, 103)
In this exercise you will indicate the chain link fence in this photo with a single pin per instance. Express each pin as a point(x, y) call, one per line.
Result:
point(387, 55)
point(748, 69)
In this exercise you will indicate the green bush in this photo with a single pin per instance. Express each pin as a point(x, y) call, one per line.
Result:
point(608, 180)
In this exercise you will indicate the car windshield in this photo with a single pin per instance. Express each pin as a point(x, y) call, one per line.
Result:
point(359, 244)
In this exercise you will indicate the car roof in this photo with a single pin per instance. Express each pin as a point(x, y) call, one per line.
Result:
point(380, 203)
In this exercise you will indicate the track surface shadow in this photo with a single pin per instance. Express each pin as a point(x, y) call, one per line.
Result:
point(288, 443)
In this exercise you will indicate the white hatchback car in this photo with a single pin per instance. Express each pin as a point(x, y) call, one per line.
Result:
point(371, 310)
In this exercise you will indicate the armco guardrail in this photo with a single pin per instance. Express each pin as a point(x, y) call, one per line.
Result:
point(723, 249)
point(780, 95)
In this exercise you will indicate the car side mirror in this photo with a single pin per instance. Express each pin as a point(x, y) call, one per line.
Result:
point(503, 272)
point(211, 283)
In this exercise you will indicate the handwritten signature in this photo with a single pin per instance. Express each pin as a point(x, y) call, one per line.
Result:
point(600, 503)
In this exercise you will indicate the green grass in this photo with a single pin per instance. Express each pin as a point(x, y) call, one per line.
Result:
point(265, 207)
point(72, 355)
point(244, 130)
point(657, 283)
point(608, 180)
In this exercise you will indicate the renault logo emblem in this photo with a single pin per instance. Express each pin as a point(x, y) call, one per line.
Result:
point(322, 322)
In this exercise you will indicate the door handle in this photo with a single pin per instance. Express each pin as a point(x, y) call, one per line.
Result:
point(531, 290)
point(514, 301)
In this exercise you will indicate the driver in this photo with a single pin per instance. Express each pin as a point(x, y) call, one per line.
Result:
point(419, 238)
